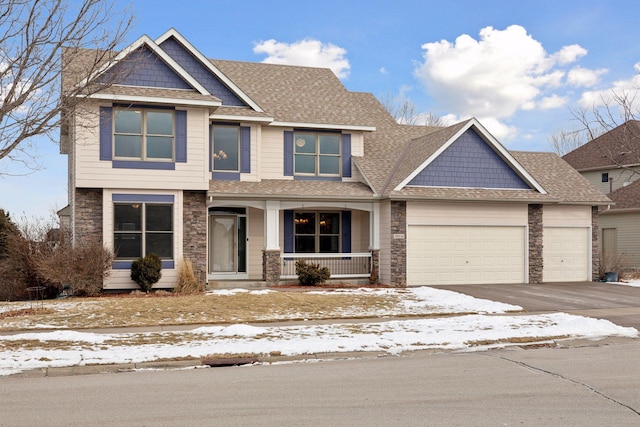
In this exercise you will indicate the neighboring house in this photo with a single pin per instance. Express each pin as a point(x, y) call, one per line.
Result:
point(611, 162)
point(243, 168)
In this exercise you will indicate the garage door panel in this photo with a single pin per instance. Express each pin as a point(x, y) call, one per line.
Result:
point(465, 254)
point(566, 254)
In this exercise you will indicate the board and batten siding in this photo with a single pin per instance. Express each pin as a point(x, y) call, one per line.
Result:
point(627, 226)
point(91, 172)
point(121, 279)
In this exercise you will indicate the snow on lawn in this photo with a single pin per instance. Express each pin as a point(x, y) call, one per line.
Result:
point(635, 283)
point(73, 348)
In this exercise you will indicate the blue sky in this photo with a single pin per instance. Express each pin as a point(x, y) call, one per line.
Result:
point(519, 67)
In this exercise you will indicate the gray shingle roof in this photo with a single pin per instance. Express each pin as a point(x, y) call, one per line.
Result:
point(619, 146)
point(299, 190)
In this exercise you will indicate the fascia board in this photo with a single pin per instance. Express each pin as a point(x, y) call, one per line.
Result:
point(241, 118)
point(323, 126)
point(153, 99)
point(204, 61)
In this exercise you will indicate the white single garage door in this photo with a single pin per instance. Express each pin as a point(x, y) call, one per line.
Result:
point(566, 254)
point(465, 254)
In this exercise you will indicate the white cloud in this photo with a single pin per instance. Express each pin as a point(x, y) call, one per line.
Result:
point(584, 77)
point(383, 70)
point(621, 89)
point(307, 52)
point(553, 101)
point(492, 78)
point(569, 54)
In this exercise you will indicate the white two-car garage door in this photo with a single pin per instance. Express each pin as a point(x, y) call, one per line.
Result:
point(566, 254)
point(444, 254)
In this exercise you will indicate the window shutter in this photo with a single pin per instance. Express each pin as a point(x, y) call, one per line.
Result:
point(106, 133)
point(245, 150)
point(181, 136)
point(346, 232)
point(346, 155)
point(288, 231)
point(288, 153)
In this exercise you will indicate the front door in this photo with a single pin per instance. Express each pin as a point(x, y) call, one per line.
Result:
point(228, 244)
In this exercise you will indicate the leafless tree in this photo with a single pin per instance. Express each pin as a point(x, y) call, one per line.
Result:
point(404, 112)
point(564, 141)
point(33, 36)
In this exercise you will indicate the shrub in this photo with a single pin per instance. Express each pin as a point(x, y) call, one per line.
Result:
point(615, 262)
point(82, 266)
point(187, 282)
point(146, 271)
point(311, 274)
point(23, 247)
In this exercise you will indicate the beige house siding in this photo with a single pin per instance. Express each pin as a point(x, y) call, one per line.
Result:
point(385, 242)
point(619, 176)
point(255, 245)
point(91, 172)
point(272, 154)
point(566, 216)
point(443, 213)
point(255, 135)
point(627, 228)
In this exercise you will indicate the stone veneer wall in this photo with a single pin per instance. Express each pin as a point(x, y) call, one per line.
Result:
point(87, 215)
point(194, 240)
point(271, 267)
point(536, 260)
point(398, 245)
point(595, 252)
point(374, 279)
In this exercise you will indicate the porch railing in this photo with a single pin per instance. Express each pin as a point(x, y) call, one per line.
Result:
point(341, 266)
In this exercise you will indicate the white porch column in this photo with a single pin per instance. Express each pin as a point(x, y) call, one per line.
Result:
point(374, 227)
point(272, 225)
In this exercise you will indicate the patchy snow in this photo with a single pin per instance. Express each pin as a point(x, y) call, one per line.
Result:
point(32, 350)
point(635, 283)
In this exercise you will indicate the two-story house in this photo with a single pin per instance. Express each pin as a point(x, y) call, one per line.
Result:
point(243, 168)
point(611, 162)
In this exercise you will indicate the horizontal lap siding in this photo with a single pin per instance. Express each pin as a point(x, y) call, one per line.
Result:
point(627, 226)
point(272, 154)
point(566, 216)
point(91, 172)
point(255, 245)
point(442, 213)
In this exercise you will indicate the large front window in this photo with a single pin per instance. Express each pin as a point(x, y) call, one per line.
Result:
point(143, 228)
point(226, 148)
point(317, 232)
point(141, 134)
point(317, 154)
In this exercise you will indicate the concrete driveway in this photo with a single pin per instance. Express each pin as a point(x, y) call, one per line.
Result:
point(616, 303)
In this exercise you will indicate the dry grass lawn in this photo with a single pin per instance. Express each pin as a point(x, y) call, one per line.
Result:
point(169, 309)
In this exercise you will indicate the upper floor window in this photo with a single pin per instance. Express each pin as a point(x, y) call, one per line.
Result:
point(226, 148)
point(143, 228)
point(605, 177)
point(317, 154)
point(143, 134)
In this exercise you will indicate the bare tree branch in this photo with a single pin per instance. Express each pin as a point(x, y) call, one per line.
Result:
point(42, 41)
point(404, 112)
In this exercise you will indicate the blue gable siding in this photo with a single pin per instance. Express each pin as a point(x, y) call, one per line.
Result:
point(200, 73)
point(144, 68)
point(471, 163)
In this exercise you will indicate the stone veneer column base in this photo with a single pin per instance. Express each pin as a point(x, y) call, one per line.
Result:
point(194, 240)
point(271, 267)
point(374, 278)
point(536, 260)
point(398, 245)
point(87, 215)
